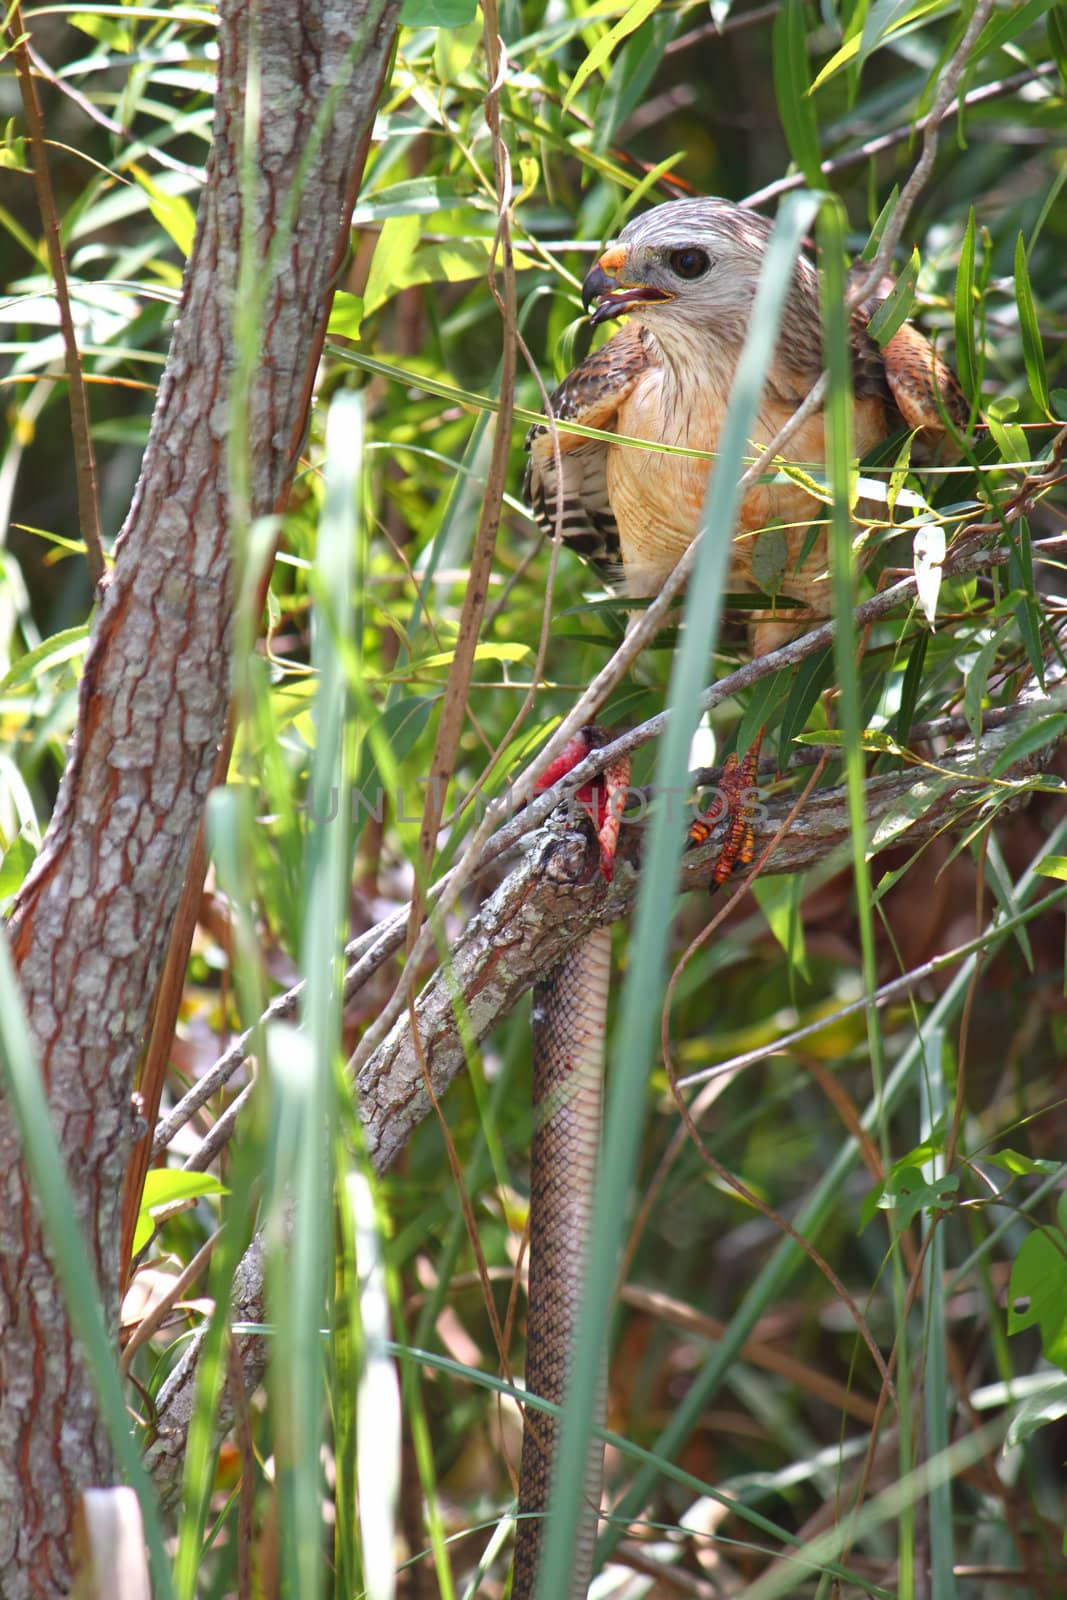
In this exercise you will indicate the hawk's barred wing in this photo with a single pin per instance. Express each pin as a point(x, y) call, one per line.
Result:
point(577, 494)
point(911, 376)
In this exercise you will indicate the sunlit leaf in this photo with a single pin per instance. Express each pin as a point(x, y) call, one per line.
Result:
point(604, 48)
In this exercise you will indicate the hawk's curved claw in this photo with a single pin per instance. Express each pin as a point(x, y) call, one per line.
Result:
point(734, 798)
point(603, 799)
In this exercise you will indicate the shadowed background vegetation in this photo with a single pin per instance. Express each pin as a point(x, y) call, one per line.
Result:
point(729, 1338)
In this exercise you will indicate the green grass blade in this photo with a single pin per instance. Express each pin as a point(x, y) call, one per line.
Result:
point(299, 1216)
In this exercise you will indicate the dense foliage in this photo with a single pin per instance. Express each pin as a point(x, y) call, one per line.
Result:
point(917, 1145)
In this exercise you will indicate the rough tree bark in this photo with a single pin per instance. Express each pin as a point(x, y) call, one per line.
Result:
point(91, 926)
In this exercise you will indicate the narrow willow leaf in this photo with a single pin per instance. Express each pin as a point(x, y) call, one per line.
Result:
point(809, 681)
point(1003, 26)
point(1040, 735)
point(172, 211)
point(870, 249)
point(851, 48)
point(1027, 613)
point(881, 19)
point(966, 347)
point(1009, 438)
point(791, 87)
point(1056, 25)
point(897, 305)
point(604, 48)
point(977, 678)
point(766, 697)
point(67, 645)
point(631, 75)
point(909, 691)
point(414, 196)
point(1033, 353)
point(1037, 1412)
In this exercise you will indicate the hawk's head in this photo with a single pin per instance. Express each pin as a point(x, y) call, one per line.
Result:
point(687, 267)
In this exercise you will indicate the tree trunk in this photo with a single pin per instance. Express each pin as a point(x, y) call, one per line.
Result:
point(92, 923)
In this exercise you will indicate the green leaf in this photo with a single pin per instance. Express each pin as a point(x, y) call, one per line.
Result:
point(897, 305)
point(1021, 1166)
point(1004, 26)
point(1008, 436)
point(1027, 615)
point(346, 315)
point(870, 739)
point(1056, 27)
point(1053, 867)
point(165, 1188)
point(55, 651)
point(770, 553)
point(413, 197)
point(1039, 1274)
point(391, 265)
point(444, 658)
point(604, 48)
point(809, 681)
point(870, 249)
point(1033, 351)
point(767, 695)
point(977, 678)
point(851, 48)
point(906, 1192)
point(1037, 1411)
point(1044, 732)
point(172, 211)
point(437, 13)
point(631, 74)
point(792, 89)
point(909, 690)
point(967, 362)
point(18, 859)
point(778, 899)
point(399, 261)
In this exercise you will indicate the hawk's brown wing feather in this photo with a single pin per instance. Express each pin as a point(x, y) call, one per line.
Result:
point(577, 494)
point(909, 374)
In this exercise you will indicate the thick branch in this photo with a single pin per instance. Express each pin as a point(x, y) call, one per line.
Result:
point(528, 925)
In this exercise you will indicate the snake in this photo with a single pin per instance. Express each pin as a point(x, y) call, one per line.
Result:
point(569, 1029)
point(569, 1012)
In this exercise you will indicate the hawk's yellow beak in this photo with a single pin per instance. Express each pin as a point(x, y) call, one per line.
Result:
point(615, 298)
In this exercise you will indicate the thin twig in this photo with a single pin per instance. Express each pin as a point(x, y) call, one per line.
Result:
point(886, 141)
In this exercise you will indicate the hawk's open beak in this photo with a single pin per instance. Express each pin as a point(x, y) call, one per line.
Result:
point(616, 299)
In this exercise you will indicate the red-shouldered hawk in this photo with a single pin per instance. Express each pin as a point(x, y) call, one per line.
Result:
point(685, 273)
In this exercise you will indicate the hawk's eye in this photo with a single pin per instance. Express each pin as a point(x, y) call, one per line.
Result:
point(689, 263)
